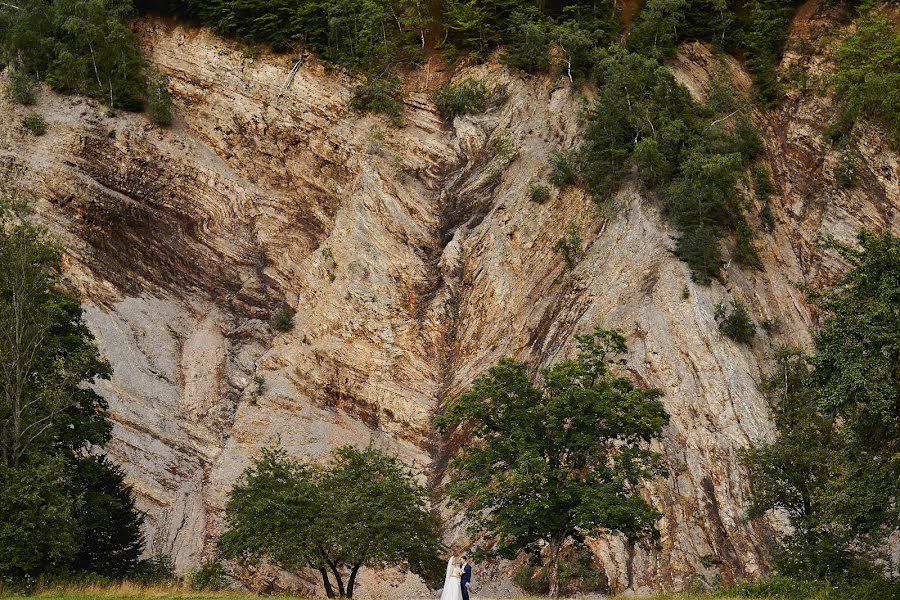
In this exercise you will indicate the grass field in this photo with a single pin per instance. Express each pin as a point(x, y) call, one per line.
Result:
point(772, 589)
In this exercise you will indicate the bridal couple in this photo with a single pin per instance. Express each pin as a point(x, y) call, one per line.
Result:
point(459, 576)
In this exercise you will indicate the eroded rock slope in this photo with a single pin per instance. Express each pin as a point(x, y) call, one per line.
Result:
point(414, 259)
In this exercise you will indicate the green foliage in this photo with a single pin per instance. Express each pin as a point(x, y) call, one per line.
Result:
point(579, 44)
point(155, 570)
point(65, 507)
point(764, 28)
point(365, 509)
point(539, 193)
point(790, 588)
point(468, 96)
point(562, 169)
point(159, 101)
point(735, 321)
point(857, 366)
point(845, 171)
point(549, 464)
point(745, 250)
point(758, 28)
point(211, 576)
point(36, 531)
point(380, 94)
point(577, 575)
point(868, 73)
point(109, 535)
point(20, 87)
point(833, 469)
point(763, 189)
point(570, 246)
point(367, 35)
point(77, 46)
point(645, 119)
point(34, 123)
point(283, 319)
point(762, 182)
point(655, 30)
point(528, 45)
point(478, 25)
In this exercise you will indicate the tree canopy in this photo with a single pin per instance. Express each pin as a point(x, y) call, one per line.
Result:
point(548, 466)
point(67, 509)
point(835, 465)
point(364, 509)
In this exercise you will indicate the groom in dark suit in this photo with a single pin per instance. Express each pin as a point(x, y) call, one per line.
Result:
point(466, 577)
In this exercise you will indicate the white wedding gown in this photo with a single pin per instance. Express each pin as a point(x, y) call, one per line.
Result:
point(452, 588)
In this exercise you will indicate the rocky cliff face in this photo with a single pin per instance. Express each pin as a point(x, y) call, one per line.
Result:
point(414, 259)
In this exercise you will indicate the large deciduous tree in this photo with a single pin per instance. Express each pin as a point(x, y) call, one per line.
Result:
point(549, 465)
point(834, 467)
point(364, 509)
point(65, 507)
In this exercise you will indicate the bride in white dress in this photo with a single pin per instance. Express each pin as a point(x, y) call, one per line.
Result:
point(452, 587)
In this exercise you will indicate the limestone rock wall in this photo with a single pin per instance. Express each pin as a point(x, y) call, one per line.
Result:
point(414, 259)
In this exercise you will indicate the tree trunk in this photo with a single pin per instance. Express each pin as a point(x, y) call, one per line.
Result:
point(553, 571)
point(352, 581)
point(329, 591)
point(338, 579)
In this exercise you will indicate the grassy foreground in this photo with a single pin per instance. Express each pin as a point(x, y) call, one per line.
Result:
point(771, 589)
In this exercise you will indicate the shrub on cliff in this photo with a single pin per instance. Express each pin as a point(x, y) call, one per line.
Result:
point(20, 88)
point(380, 94)
point(467, 96)
point(735, 321)
point(868, 73)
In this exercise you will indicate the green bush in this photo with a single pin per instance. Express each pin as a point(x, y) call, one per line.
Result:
point(380, 94)
point(562, 171)
point(283, 319)
point(745, 251)
point(577, 575)
point(468, 96)
point(645, 118)
point(736, 322)
point(762, 182)
point(159, 101)
point(155, 570)
point(780, 587)
point(20, 88)
point(211, 576)
point(539, 193)
point(529, 42)
point(845, 171)
point(570, 246)
point(34, 123)
point(868, 73)
point(776, 587)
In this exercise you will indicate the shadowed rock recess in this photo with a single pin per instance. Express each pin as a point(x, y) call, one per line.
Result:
point(414, 259)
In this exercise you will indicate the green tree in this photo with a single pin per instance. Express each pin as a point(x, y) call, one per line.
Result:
point(553, 464)
point(380, 516)
point(857, 364)
point(36, 531)
point(77, 46)
point(868, 72)
point(365, 509)
point(50, 420)
point(529, 42)
point(834, 466)
point(108, 531)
